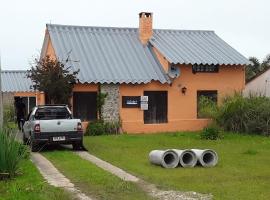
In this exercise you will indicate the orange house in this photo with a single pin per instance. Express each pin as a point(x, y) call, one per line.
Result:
point(153, 77)
point(16, 85)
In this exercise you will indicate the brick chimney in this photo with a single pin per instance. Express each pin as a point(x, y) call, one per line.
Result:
point(145, 26)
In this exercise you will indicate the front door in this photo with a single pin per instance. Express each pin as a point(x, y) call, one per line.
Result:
point(157, 107)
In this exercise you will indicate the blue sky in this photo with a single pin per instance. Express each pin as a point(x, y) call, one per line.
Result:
point(244, 24)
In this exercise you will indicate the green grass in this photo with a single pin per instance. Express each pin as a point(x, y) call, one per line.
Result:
point(30, 185)
point(92, 180)
point(242, 172)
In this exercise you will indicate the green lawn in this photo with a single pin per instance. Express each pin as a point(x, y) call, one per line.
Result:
point(92, 180)
point(243, 171)
point(30, 185)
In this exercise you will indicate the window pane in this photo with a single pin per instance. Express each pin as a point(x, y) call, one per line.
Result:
point(25, 101)
point(32, 103)
point(157, 107)
point(50, 113)
point(85, 105)
point(209, 94)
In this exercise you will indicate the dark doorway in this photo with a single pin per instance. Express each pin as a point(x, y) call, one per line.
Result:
point(29, 103)
point(85, 105)
point(157, 107)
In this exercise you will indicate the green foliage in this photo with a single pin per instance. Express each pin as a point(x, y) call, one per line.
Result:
point(54, 78)
point(256, 67)
point(103, 128)
point(240, 114)
point(11, 154)
point(207, 108)
point(9, 113)
point(100, 102)
point(246, 114)
point(9, 117)
point(95, 128)
point(30, 184)
point(211, 132)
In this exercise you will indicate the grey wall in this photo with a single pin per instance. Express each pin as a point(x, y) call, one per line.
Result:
point(259, 86)
point(110, 110)
point(8, 98)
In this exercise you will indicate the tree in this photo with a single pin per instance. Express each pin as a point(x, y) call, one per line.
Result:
point(256, 67)
point(54, 78)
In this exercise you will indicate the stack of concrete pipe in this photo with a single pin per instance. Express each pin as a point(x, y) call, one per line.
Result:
point(172, 158)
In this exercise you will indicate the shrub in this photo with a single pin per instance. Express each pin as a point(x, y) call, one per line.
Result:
point(211, 132)
point(240, 114)
point(95, 128)
point(11, 154)
point(9, 117)
point(102, 128)
point(9, 113)
point(207, 108)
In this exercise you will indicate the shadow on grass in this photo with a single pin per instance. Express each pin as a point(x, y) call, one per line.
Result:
point(58, 147)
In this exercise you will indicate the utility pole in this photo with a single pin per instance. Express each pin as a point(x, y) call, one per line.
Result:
point(1, 97)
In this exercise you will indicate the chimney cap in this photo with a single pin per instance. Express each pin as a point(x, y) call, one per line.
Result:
point(147, 14)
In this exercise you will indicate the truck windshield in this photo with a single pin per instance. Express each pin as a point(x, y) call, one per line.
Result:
point(48, 113)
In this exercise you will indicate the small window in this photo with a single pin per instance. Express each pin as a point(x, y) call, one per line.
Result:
point(85, 105)
point(210, 95)
point(157, 107)
point(205, 68)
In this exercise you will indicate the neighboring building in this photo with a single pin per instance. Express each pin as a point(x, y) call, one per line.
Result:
point(259, 85)
point(172, 68)
point(15, 84)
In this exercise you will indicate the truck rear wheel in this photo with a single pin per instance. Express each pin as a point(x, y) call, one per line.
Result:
point(77, 145)
point(34, 146)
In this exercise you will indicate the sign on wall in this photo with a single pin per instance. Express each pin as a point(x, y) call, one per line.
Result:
point(131, 101)
point(144, 102)
point(135, 102)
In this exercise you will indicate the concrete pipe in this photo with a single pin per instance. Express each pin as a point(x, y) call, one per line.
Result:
point(167, 158)
point(187, 158)
point(206, 157)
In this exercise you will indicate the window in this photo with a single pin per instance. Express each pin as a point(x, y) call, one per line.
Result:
point(50, 113)
point(157, 107)
point(205, 68)
point(32, 103)
point(29, 103)
point(85, 105)
point(210, 94)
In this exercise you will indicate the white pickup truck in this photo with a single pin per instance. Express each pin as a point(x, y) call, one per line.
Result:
point(50, 124)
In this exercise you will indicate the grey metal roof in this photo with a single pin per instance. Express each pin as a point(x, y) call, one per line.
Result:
point(116, 55)
point(15, 81)
point(195, 47)
point(106, 55)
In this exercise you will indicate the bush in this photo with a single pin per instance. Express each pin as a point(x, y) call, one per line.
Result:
point(241, 114)
point(9, 113)
point(102, 128)
point(211, 132)
point(11, 154)
point(207, 108)
point(95, 128)
point(9, 117)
